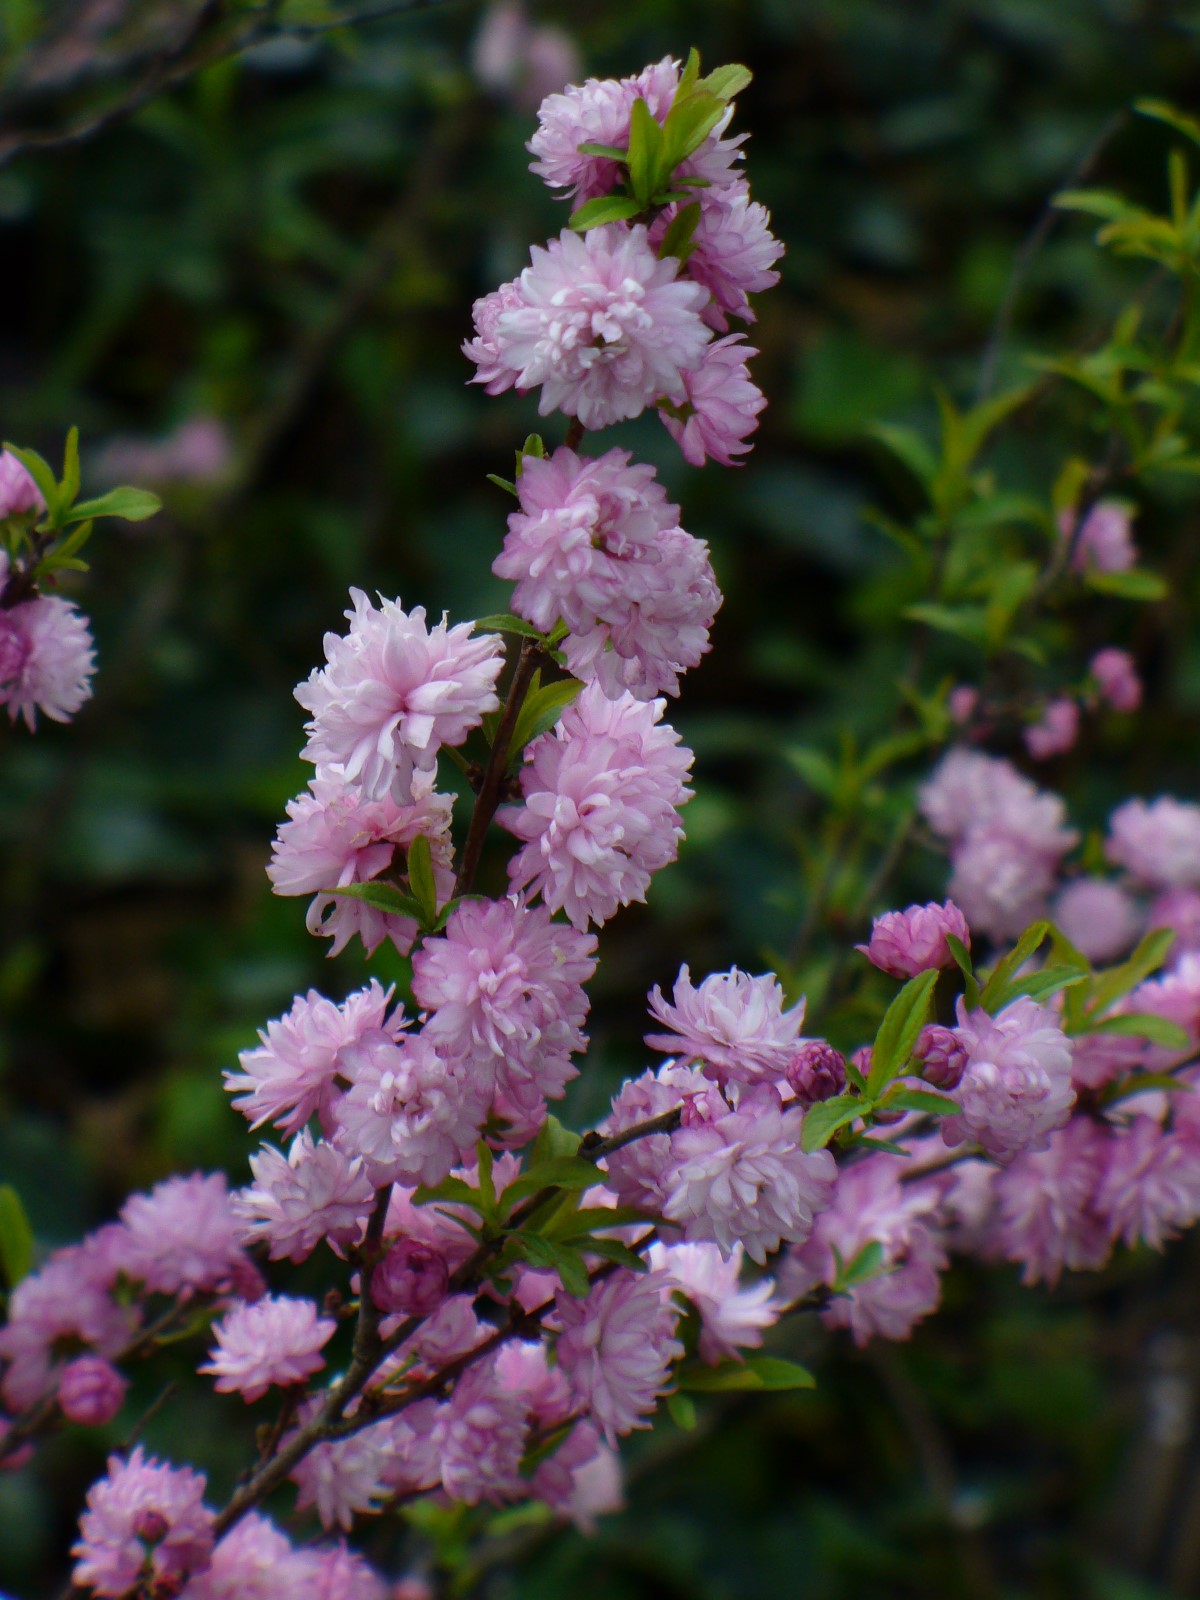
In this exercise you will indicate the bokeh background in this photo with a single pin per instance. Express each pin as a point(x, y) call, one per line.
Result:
point(251, 296)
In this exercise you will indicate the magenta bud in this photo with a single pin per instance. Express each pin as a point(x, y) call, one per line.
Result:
point(150, 1526)
point(942, 1056)
point(90, 1391)
point(411, 1278)
point(816, 1072)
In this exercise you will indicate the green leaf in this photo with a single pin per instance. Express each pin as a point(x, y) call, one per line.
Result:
point(552, 1257)
point(1039, 986)
point(824, 1119)
point(612, 1250)
point(564, 1172)
point(505, 622)
point(16, 1237)
point(682, 1411)
point(677, 241)
point(421, 881)
point(40, 471)
point(1142, 1025)
point(604, 208)
point(1143, 1083)
point(755, 1373)
point(131, 505)
point(382, 896)
point(541, 711)
point(501, 483)
point(575, 1225)
point(908, 447)
point(902, 1022)
point(553, 1141)
point(1029, 942)
point(1134, 584)
point(965, 621)
point(924, 1100)
point(69, 487)
point(1094, 203)
point(534, 446)
point(1117, 981)
point(645, 153)
point(962, 958)
point(689, 122)
point(455, 1190)
point(1162, 111)
point(609, 152)
point(726, 82)
point(867, 1264)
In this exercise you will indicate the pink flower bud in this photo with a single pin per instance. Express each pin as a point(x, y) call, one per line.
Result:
point(91, 1391)
point(1056, 732)
point(942, 1056)
point(1117, 679)
point(963, 703)
point(904, 943)
point(411, 1278)
point(150, 1526)
point(18, 492)
point(816, 1072)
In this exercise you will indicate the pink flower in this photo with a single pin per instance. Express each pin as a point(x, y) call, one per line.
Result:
point(1055, 732)
point(741, 1176)
point(142, 1515)
point(410, 1113)
point(292, 1075)
point(1150, 1188)
point(342, 1478)
point(598, 112)
point(942, 1056)
point(962, 703)
point(252, 1562)
point(872, 1206)
point(481, 1435)
point(616, 1348)
point(335, 836)
point(904, 943)
point(1117, 679)
point(604, 327)
point(1016, 1088)
point(1179, 910)
point(596, 544)
point(816, 1072)
point(315, 1192)
point(275, 1341)
point(1047, 1218)
point(969, 790)
point(512, 57)
point(1001, 881)
point(393, 692)
point(411, 1279)
point(637, 1172)
point(720, 408)
point(67, 1302)
point(732, 1318)
point(505, 989)
point(1105, 542)
point(182, 1235)
point(1099, 918)
point(90, 1391)
point(18, 492)
point(734, 252)
point(734, 1024)
point(487, 350)
point(1157, 842)
point(602, 797)
point(336, 1572)
point(47, 657)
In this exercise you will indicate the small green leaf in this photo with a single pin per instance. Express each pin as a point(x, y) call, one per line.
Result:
point(604, 208)
point(1133, 584)
point(726, 82)
point(677, 241)
point(1038, 986)
point(612, 1250)
point(824, 1119)
point(1026, 946)
point(40, 471)
point(902, 1023)
point(501, 483)
point(69, 487)
point(645, 152)
point(609, 152)
point(382, 896)
point(867, 1264)
point(1162, 111)
point(755, 1373)
point(1143, 1083)
point(421, 880)
point(16, 1237)
point(552, 1257)
point(924, 1100)
point(553, 1141)
point(131, 505)
point(1142, 1025)
point(505, 622)
point(682, 1411)
point(455, 1190)
point(1117, 981)
point(542, 709)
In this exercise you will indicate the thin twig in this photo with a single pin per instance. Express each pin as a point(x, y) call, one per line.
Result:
point(488, 797)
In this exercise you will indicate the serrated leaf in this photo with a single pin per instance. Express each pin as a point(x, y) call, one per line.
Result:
point(16, 1237)
point(604, 208)
point(755, 1373)
point(421, 880)
point(897, 1036)
point(131, 505)
point(382, 896)
point(824, 1119)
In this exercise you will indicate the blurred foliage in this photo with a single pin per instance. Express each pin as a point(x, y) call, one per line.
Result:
point(289, 242)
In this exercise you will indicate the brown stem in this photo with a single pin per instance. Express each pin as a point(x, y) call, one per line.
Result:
point(488, 797)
